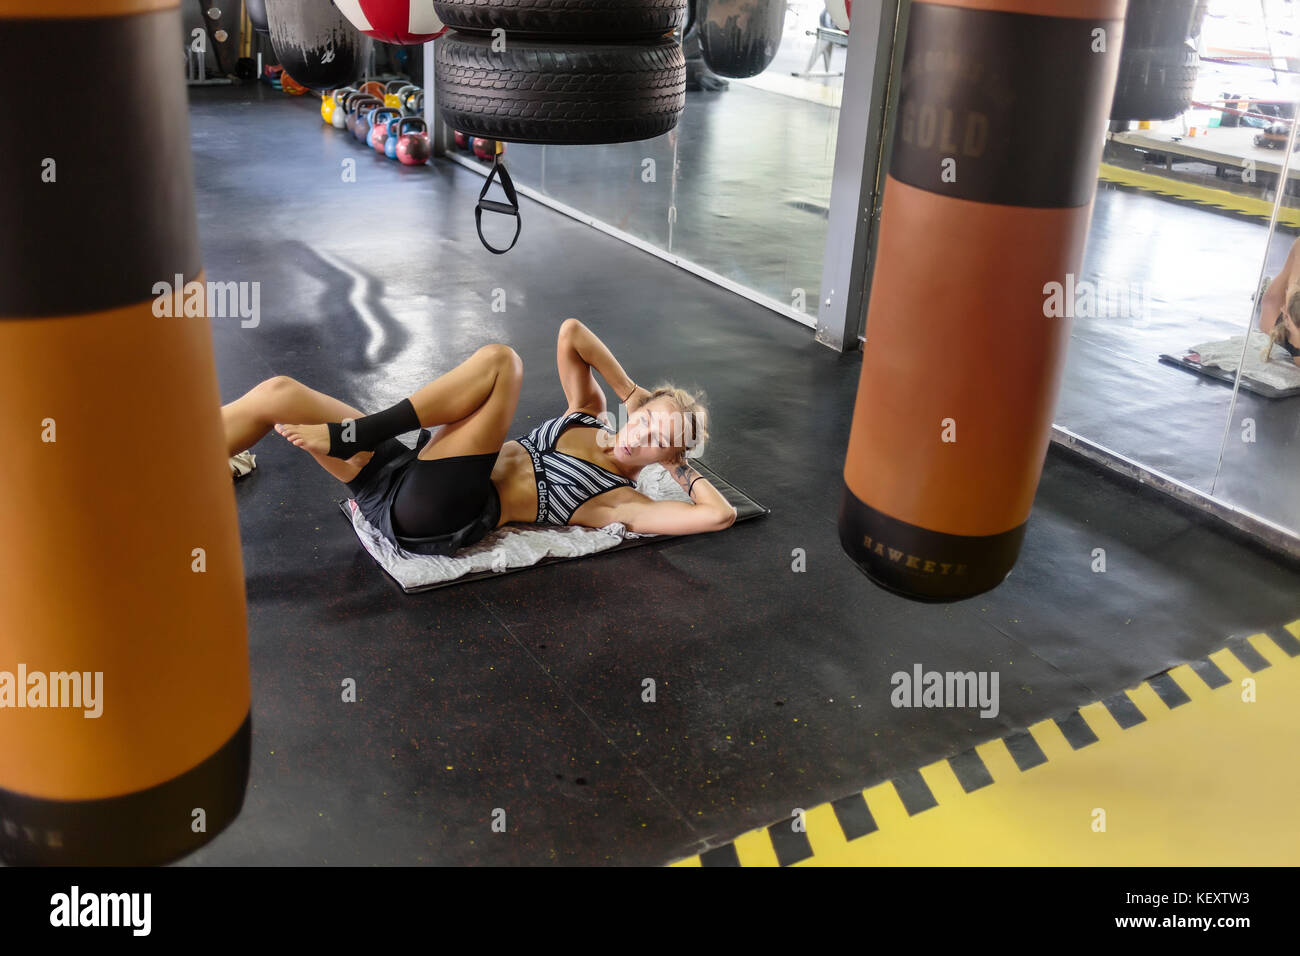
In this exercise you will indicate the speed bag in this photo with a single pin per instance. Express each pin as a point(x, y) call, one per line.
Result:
point(403, 22)
point(840, 12)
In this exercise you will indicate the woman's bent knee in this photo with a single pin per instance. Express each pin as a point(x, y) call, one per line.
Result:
point(504, 357)
point(278, 383)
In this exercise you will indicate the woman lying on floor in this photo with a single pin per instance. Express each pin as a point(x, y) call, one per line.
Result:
point(466, 480)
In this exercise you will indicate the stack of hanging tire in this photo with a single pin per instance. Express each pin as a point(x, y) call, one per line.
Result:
point(1159, 62)
point(561, 72)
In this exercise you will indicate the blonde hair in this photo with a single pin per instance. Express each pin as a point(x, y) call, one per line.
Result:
point(1291, 313)
point(694, 416)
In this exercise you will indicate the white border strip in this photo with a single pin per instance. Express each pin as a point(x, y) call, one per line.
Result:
point(730, 285)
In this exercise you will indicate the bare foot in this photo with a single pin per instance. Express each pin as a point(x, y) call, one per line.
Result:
point(313, 438)
point(316, 439)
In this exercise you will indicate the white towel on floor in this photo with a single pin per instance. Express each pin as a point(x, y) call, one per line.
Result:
point(512, 546)
point(1280, 372)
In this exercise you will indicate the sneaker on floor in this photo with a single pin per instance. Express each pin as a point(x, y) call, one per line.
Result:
point(242, 464)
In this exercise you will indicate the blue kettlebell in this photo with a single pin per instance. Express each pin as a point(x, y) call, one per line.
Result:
point(390, 144)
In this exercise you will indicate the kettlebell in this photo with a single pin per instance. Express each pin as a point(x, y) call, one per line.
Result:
point(374, 88)
point(412, 141)
point(392, 94)
point(327, 108)
point(349, 107)
point(390, 141)
point(462, 141)
point(414, 103)
point(368, 121)
point(339, 115)
point(383, 118)
point(486, 148)
point(357, 124)
point(401, 95)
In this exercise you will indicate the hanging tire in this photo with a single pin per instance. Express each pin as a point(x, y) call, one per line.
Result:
point(559, 93)
point(1155, 84)
point(565, 19)
point(1162, 23)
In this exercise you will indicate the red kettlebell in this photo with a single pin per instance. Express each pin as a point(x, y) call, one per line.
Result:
point(462, 141)
point(379, 128)
point(486, 148)
point(412, 141)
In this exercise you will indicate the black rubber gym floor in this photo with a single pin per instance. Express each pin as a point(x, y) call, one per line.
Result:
point(524, 695)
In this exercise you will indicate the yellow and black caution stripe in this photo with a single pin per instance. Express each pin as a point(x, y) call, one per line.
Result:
point(1224, 200)
point(1195, 766)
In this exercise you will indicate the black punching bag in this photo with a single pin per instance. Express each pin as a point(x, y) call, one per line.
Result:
point(315, 43)
point(739, 38)
point(1001, 119)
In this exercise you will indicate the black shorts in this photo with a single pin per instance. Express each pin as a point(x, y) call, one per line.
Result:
point(428, 507)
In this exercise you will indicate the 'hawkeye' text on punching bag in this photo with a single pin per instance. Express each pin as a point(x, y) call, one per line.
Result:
point(1001, 119)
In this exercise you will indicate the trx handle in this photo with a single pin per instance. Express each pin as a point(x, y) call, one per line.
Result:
point(510, 208)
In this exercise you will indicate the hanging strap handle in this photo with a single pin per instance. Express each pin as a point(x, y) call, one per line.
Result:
point(510, 208)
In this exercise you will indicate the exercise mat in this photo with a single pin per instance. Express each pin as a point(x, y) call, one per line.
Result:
point(1277, 378)
point(514, 547)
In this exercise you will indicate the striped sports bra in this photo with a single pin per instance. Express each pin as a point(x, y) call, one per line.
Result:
point(565, 482)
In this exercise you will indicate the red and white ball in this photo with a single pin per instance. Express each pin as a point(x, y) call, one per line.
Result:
point(841, 11)
point(405, 22)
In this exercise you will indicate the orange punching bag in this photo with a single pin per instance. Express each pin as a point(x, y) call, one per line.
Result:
point(124, 691)
point(1002, 114)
